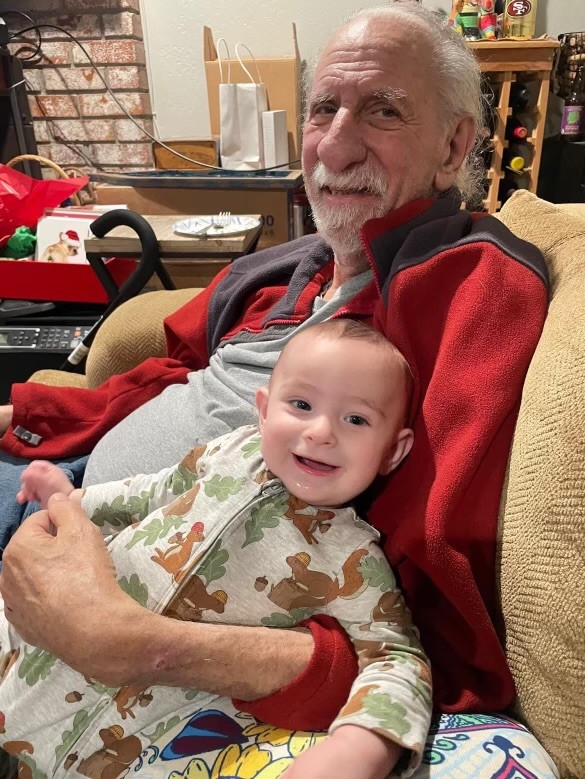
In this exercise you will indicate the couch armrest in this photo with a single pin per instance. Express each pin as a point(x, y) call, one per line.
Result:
point(132, 333)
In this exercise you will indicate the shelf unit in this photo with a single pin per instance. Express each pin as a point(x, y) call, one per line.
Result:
point(503, 62)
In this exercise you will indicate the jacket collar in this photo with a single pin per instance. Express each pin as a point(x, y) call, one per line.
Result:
point(384, 237)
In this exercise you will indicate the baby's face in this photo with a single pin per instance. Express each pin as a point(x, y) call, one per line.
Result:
point(331, 417)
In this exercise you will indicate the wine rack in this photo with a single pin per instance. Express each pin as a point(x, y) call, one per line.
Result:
point(504, 62)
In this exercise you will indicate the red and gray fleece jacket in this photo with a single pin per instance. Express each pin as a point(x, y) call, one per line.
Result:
point(465, 301)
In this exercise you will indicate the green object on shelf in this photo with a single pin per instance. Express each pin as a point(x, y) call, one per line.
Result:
point(21, 244)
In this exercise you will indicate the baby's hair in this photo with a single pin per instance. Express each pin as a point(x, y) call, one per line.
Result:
point(352, 328)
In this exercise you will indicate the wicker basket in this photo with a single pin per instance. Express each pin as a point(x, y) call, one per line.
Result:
point(49, 164)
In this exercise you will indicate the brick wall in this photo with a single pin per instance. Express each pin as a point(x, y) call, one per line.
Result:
point(77, 123)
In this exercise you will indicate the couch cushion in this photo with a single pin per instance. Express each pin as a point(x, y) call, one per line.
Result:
point(542, 516)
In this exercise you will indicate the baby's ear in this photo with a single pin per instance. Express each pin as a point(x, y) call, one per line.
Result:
point(398, 451)
point(262, 405)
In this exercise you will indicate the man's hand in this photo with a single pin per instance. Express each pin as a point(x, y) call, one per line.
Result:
point(351, 752)
point(5, 418)
point(59, 588)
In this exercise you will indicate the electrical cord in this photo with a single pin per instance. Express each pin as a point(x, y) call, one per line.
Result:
point(38, 32)
point(38, 28)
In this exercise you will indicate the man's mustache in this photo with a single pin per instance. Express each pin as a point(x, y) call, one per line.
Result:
point(367, 177)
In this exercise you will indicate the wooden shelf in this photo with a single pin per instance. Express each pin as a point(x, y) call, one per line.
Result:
point(504, 62)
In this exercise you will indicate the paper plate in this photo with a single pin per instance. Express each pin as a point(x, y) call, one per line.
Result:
point(237, 226)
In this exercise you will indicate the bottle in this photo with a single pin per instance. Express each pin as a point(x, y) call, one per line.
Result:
point(513, 161)
point(520, 96)
point(515, 130)
point(506, 189)
point(519, 18)
point(573, 120)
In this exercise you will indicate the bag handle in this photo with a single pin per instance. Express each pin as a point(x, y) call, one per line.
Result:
point(229, 61)
point(244, 68)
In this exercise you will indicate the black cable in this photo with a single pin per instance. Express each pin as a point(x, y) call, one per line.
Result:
point(38, 32)
point(37, 27)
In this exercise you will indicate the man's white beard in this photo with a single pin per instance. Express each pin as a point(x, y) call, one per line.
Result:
point(340, 226)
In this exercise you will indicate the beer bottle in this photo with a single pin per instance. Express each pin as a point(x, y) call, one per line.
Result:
point(519, 18)
point(573, 121)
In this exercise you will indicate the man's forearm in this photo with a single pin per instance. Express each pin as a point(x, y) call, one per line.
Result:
point(231, 660)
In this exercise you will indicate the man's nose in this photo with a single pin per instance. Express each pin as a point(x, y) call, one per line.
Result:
point(342, 145)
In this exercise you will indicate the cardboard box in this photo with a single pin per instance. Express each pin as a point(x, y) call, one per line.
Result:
point(274, 204)
point(274, 135)
point(206, 151)
point(281, 75)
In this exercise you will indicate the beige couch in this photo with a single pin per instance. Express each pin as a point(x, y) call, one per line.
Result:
point(542, 520)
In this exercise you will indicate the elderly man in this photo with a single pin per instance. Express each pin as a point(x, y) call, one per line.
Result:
point(393, 113)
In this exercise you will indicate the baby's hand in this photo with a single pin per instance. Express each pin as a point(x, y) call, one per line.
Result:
point(41, 480)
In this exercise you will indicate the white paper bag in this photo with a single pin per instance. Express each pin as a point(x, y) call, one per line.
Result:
point(240, 115)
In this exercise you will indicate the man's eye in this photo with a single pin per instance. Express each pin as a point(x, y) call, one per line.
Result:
point(301, 405)
point(386, 112)
point(355, 419)
point(323, 109)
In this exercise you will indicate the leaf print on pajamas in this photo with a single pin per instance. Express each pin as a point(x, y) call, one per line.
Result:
point(181, 480)
point(36, 666)
point(279, 620)
point(120, 514)
point(135, 588)
point(159, 527)
point(81, 722)
point(391, 716)
point(161, 729)
point(222, 487)
point(376, 574)
point(252, 447)
point(212, 567)
point(266, 515)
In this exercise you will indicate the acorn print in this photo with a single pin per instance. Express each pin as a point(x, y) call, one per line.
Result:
point(117, 731)
point(303, 558)
point(145, 699)
point(70, 759)
point(261, 583)
point(221, 596)
point(73, 697)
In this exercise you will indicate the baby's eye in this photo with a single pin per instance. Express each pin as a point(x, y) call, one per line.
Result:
point(302, 405)
point(356, 419)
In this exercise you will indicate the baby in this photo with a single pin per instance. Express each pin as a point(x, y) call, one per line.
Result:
point(255, 528)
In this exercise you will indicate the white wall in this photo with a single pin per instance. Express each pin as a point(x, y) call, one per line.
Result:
point(173, 31)
point(173, 37)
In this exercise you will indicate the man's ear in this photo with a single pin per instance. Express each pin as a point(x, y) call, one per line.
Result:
point(401, 447)
point(262, 405)
point(457, 146)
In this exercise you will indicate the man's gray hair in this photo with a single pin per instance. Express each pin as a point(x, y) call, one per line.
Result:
point(456, 77)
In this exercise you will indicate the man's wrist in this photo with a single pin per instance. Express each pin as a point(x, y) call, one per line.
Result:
point(117, 656)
